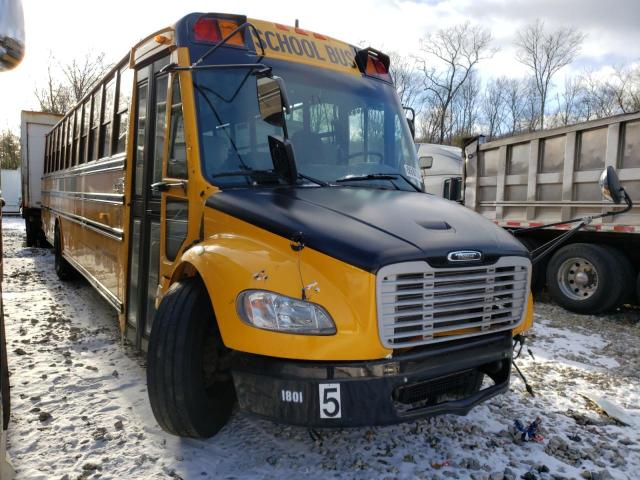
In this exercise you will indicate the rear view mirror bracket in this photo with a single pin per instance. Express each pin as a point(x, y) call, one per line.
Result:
point(283, 159)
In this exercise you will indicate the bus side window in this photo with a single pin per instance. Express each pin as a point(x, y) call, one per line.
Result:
point(105, 135)
point(95, 123)
point(86, 116)
point(177, 161)
point(125, 83)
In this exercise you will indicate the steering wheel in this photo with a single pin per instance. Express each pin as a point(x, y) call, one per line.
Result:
point(365, 153)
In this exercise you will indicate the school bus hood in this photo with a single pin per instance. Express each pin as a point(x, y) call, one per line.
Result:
point(368, 227)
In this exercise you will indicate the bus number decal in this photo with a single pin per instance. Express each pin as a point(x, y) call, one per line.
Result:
point(330, 401)
point(291, 396)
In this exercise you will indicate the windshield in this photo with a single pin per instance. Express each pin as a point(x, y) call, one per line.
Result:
point(340, 126)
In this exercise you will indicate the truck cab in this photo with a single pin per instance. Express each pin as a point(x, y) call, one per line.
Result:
point(439, 164)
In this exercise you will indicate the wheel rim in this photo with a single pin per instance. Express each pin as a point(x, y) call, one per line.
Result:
point(577, 278)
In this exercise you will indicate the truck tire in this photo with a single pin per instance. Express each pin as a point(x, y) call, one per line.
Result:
point(190, 388)
point(585, 278)
point(627, 276)
point(539, 272)
point(638, 289)
point(64, 270)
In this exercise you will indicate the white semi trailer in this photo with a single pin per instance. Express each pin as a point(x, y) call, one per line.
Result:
point(525, 181)
point(33, 127)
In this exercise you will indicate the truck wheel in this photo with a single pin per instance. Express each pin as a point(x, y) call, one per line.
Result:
point(64, 270)
point(585, 278)
point(627, 275)
point(188, 377)
point(538, 275)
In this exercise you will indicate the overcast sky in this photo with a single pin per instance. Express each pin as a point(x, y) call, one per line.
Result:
point(66, 29)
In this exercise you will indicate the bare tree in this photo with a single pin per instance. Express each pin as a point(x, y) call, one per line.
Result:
point(516, 91)
point(545, 52)
point(54, 96)
point(428, 122)
point(447, 59)
point(405, 78)
point(568, 101)
point(82, 74)
point(61, 92)
point(531, 113)
point(599, 99)
point(465, 107)
point(494, 106)
point(626, 88)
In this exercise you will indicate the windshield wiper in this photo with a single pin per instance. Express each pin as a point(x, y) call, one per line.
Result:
point(378, 176)
point(322, 183)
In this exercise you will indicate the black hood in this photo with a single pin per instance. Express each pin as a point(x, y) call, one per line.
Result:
point(368, 227)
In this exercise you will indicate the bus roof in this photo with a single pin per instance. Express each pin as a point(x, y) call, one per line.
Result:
point(278, 41)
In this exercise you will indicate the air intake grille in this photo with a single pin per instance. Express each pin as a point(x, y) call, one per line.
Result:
point(419, 305)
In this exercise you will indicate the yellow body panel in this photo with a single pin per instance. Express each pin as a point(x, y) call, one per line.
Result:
point(88, 204)
point(528, 319)
point(237, 256)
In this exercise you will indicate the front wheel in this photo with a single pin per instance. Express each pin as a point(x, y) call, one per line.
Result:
point(188, 376)
point(585, 278)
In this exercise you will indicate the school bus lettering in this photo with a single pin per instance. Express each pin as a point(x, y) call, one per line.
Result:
point(299, 163)
point(298, 45)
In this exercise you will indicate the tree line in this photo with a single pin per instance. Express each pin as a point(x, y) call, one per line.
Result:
point(442, 84)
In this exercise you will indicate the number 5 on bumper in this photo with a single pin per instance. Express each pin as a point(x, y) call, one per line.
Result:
point(330, 404)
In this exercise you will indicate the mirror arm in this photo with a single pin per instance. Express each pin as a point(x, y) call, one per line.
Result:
point(629, 206)
point(545, 249)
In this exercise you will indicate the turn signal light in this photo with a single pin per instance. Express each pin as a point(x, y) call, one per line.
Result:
point(376, 68)
point(373, 63)
point(213, 30)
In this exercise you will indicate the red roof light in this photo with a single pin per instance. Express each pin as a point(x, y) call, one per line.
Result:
point(206, 30)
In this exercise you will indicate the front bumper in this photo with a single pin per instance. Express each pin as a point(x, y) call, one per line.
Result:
point(443, 378)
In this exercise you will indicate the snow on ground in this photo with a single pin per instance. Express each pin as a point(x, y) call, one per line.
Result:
point(80, 407)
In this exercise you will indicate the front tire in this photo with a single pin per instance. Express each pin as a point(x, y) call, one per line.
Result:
point(188, 377)
point(585, 278)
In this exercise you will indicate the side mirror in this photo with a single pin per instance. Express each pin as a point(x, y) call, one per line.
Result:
point(272, 98)
point(453, 189)
point(284, 163)
point(11, 34)
point(411, 120)
point(610, 185)
point(426, 162)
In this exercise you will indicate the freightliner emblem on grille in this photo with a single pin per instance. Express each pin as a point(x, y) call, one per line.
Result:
point(464, 256)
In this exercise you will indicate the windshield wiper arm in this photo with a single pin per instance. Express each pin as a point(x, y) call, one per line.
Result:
point(322, 183)
point(378, 176)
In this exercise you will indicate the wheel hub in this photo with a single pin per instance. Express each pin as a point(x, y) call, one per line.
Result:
point(577, 278)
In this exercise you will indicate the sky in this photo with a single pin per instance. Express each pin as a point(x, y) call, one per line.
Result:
point(60, 30)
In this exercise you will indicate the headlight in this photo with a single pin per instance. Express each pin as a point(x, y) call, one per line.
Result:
point(270, 311)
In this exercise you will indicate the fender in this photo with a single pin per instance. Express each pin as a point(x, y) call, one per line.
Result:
point(253, 258)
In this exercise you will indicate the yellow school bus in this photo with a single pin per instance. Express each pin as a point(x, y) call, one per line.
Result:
point(246, 194)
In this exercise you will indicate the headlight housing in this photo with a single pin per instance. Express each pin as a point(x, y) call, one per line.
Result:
point(279, 313)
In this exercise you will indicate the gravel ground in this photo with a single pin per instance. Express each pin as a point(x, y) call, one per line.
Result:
point(80, 407)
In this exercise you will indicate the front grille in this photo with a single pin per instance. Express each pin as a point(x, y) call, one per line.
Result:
point(419, 304)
